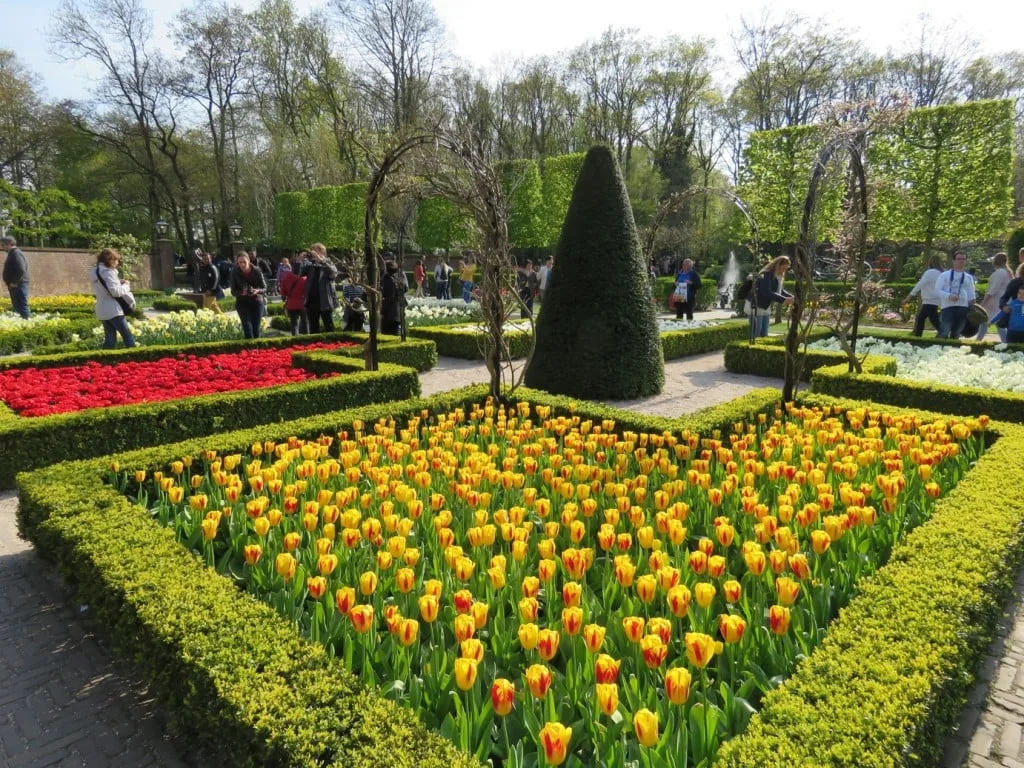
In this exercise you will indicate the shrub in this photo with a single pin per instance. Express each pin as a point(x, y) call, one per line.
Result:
point(56, 331)
point(676, 344)
point(467, 344)
point(597, 336)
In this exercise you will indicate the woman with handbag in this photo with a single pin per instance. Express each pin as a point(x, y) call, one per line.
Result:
point(249, 287)
point(768, 290)
point(114, 299)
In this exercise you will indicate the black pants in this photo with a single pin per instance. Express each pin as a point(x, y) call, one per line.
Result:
point(926, 312)
point(298, 320)
point(684, 306)
point(316, 317)
point(354, 321)
point(390, 327)
point(527, 299)
point(250, 312)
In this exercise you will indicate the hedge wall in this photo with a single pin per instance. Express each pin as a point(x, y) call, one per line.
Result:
point(676, 344)
point(767, 357)
point(468, 345)
point(290, 219)
point(35, 442)
point(230, 672)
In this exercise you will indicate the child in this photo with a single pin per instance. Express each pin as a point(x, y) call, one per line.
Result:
point(1013, 316)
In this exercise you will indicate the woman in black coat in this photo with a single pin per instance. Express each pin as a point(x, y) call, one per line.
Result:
point(393, 299)
point(249, 288)
point(321, 297)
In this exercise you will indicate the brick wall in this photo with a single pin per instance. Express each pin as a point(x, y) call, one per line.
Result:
point(58, 271)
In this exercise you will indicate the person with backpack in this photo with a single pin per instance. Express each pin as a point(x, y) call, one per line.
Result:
point(209, 280)
point(442, 276)
point(768, 290)
point(113, 299)
point(957, 292)
point(743, 295)
point(224, 270)
point(293, 289)
point(687, 285)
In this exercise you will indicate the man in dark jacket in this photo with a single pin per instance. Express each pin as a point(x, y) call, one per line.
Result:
point(321, 296)
point(16, 276)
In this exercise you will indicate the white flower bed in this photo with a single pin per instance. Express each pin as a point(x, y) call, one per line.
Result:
point(11, 321)
point(186, 327)
point(941, 364)
point(666, 324)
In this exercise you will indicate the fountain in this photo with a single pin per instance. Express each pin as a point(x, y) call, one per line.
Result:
point(728, 281)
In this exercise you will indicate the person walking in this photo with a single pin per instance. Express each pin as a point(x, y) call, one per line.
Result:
point(392, 300)
point(321, 296)
point(467, 275)
point(442, 276)
point(957, 291)
point(543, 275)
point(293, 290)
point(687, 285)
point(768, 290)
point(16, 276)
point(527, 284)
point(930, 297)
point(209, 280)
point(419, 274)
point(997, 285)
point(113, 297)
point(249, 287)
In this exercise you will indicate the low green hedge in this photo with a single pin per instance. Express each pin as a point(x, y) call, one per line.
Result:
point(468, 345)
point(58, 331)
point(231, 673)
point(768, 358)
point(884, 686)
point(27, 443)
point(886, 388)
point(892, 674)
point(678, 344)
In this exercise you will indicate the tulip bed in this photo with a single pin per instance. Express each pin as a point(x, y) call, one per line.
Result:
point(591, 582)
point(894, 667)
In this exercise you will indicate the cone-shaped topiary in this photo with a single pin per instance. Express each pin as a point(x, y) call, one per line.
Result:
point(597, 335)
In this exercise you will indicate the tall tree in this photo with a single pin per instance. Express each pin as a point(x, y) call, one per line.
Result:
point(931, 73)
point(24, 120)
point(401, 44)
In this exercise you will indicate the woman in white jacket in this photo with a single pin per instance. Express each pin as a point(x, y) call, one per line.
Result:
point(997, 283)
point(930, 297)
point(108, 288)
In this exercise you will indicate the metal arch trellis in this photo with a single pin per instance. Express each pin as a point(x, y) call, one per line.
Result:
point(490, 215)
point(676, 199)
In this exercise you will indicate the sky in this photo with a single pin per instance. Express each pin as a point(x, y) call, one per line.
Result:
point(496, 32)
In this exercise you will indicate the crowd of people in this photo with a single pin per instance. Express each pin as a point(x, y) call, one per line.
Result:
point(949, 299)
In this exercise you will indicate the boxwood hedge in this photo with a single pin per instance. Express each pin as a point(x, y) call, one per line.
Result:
point(893, 669)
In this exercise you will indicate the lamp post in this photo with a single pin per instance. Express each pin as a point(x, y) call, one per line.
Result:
point(236, 239)
point(161, 265)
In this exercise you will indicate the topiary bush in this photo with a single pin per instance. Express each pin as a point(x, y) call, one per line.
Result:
point(597, 336)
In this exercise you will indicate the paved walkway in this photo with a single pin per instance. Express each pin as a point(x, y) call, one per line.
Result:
point(66, 701)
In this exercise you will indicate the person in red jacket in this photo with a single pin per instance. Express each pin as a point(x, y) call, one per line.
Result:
point(293, 289)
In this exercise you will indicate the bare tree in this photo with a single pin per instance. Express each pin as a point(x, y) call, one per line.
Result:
point(401, 44)
point(932, 72)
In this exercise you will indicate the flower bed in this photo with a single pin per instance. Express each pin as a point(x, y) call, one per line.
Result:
point(947, 365)
point(893, 669)
point(20, 335)
point(46, 391)
point(698, 594)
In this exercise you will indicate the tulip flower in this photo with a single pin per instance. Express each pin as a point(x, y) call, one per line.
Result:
point(429, 607)
point(755, 561)
point(787, 590)
point(547, 643)
point(700, 649)
point(646, 587)
point(554, 738)
point(606, 669)
point(316, 586)
point(285, 566)
point(571, 593)
point(716, 566)
point(608, 698)
point(472, 649)
point(654, 651)
point(405, 580)
point(661, 627)
point(530, 586)
point(634, 627)
point(408, 631)
point(432, 587)
point(344, 600)
point(731, 627)
point(362, 618)
point(678, 599)
point(704, 593)
point(503, 696)
point(291, 541)
point(778, 619)
point(572, 620)
point(732, 591)
point(463, 600)
point(593, 636)
point(820, 542)
point(464, 627)
point(677, 685)
point(645, 725)
point(528, 608)
point(529, 635)
point(465, 673)
point(368, 583)
point(538, 680)
point(252, 553)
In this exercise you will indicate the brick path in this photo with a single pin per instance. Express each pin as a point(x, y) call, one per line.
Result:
point(65, 701)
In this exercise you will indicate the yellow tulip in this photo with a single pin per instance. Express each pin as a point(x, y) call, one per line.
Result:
point(645, 725)
point(465, 673)
point(554, 738)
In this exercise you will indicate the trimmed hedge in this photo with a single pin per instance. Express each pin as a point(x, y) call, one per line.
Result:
point(893, 671)
point(35, 442)
point(230, 672)
point(59, 331)
point(768, 358)
point(964, 401)
point(676, 344)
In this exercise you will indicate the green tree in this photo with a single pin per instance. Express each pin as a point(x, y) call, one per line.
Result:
point(440, 223)
point(597, 336)
point(523, 190)
point(559, 181)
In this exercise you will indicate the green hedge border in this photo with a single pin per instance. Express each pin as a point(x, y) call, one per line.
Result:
point(232, 674)
point(59, 331)
point(34, 442)
point(893, 670)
